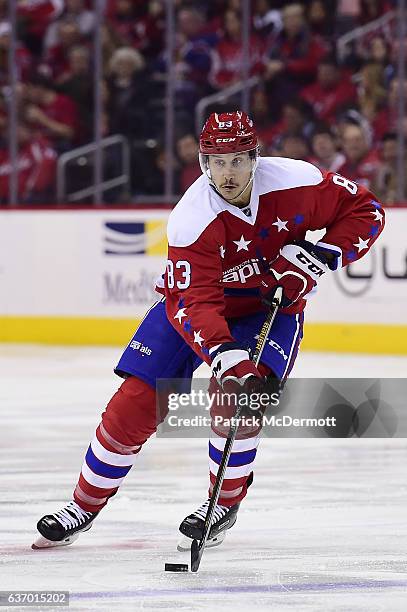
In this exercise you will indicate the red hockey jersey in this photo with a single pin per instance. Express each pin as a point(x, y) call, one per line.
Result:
point(217, 255)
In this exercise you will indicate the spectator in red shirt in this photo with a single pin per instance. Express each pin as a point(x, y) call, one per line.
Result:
point(57, 57)
point(325, 154)
point(122, 15)
point(34, 17)
point(23, 56)
point(139, 24)
point(187, 151)
point(296, 120)
point(293, 57)
point(54, 115)
point(36, 168)
point(331, 91)
point(228, 57)
point(361, 162)
point(149, 30)
point(40, 11)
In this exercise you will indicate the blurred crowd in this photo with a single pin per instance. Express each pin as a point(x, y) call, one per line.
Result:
point(338, 111)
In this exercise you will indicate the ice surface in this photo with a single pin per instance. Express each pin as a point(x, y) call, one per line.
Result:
point(323, 529)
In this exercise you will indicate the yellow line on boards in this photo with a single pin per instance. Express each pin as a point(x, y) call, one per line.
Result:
point(61, 330)
point(335, 337)
point(355, 338)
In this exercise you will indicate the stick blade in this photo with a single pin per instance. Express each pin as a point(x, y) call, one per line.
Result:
point(196, 555)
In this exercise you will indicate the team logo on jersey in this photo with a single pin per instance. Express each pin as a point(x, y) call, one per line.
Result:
point(240, 273)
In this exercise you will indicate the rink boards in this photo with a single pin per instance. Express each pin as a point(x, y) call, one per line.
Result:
point(87, 277)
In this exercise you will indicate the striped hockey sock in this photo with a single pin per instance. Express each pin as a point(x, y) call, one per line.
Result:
point(105, 466)
point(239, 469)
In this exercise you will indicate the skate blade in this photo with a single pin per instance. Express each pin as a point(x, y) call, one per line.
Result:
point(184, 544)
point(42, 542)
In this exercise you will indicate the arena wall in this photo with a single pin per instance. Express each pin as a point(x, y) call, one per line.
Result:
point(87, 276)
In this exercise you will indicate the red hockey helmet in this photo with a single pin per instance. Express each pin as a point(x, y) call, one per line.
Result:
point(228, 133)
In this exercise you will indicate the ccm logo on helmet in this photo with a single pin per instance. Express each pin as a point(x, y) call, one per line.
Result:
point(225, 139)
point(312, 267)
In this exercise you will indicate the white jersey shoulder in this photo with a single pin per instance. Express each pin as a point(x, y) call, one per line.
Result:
point(278, 173)
point(200, 204)
point(194, 212)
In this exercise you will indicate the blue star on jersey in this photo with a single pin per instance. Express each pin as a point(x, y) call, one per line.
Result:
point(188, 326)
point(264, 232)
point(373, 231)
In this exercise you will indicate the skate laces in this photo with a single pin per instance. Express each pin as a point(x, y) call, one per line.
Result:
point(72, 516)
point(219, 512)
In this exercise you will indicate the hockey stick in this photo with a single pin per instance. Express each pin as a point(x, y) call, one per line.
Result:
point(198, 548)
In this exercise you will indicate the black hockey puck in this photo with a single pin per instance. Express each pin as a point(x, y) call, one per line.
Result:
point(176, 567)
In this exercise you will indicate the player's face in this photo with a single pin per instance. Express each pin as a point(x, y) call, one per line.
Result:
point(230, 173)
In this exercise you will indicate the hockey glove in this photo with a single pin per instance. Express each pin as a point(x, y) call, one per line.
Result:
point(296, 269)
point(234, 371)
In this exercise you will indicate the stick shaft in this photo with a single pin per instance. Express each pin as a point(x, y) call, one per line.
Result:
point(197, 550)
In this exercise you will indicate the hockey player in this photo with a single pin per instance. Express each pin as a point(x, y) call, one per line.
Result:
point(236, 234)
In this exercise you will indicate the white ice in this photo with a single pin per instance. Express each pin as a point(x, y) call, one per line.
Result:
point(323, 529)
